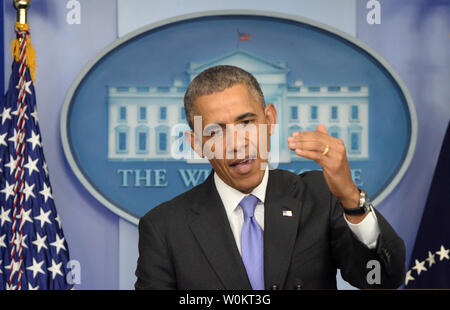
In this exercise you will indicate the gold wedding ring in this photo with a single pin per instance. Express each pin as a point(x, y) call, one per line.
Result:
point(327, 148)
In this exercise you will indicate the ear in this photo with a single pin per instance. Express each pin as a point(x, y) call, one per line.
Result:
point(195, 142)
point(271, 117)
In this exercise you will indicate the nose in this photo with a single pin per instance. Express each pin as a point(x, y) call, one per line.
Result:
point(236, 141)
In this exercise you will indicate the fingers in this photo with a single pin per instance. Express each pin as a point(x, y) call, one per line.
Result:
point(315, 156)
point(308, 136)
point(310, 141)
point(315, 146)
point(321, 128)
point(312, 145)
point(316, 153)
point(310, 149)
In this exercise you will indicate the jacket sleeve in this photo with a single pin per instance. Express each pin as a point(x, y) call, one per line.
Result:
point(382, 267)
point(154, 269)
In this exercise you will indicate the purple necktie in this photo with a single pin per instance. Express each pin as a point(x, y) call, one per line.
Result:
point(252, 243)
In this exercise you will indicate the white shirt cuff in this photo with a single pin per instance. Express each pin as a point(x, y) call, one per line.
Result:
point(367, 231)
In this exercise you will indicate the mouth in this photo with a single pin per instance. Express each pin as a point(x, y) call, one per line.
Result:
point(243, 166)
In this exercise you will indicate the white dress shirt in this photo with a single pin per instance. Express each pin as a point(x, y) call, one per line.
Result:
point(366, 231)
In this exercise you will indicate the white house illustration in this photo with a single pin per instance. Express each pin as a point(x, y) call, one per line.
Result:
point(148, 122)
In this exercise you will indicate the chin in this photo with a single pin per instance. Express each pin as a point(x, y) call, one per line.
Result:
point(249, 183)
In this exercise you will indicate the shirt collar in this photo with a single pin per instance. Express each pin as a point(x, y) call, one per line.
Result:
point(231, 197)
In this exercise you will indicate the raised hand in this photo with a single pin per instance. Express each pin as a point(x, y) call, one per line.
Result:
point(330, 153)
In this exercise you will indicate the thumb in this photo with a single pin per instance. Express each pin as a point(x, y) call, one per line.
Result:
point(321, 128)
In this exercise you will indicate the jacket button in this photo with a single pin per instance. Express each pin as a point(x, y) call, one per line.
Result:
point(274, 287)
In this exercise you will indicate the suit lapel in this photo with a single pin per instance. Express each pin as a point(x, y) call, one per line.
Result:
point(212, 230)
point(280, 230)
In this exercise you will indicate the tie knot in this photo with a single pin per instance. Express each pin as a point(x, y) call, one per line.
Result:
point(248, 204)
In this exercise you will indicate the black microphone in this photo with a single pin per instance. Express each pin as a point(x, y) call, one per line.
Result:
point(298, 285)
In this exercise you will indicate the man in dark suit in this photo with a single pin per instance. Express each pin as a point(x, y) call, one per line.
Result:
point(251, 227)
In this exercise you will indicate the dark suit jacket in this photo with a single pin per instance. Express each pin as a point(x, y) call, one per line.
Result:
point(187, 243)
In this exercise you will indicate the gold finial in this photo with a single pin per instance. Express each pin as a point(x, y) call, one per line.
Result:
point(22, 7)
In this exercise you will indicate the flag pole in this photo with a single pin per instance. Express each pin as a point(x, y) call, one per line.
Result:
point(22, 6)
point(22, 41)
point(30, 266)
point(238, 41)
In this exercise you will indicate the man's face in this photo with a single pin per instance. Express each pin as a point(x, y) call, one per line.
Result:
point(231, 120)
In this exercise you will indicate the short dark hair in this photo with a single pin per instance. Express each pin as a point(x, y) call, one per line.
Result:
point(217, 79)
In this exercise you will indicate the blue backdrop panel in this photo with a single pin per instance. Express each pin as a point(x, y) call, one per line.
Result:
point(157, 57)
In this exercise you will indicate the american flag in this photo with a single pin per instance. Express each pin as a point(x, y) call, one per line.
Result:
point(243, 36)
point(33, 251)
point(430, 258)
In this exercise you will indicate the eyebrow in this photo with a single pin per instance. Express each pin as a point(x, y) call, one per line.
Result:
point(237, 119)
point(243, 116)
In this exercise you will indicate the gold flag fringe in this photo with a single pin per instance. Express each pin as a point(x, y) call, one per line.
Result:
point(30, 54)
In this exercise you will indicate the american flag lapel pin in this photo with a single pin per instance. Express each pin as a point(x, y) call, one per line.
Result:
point(287, 212)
